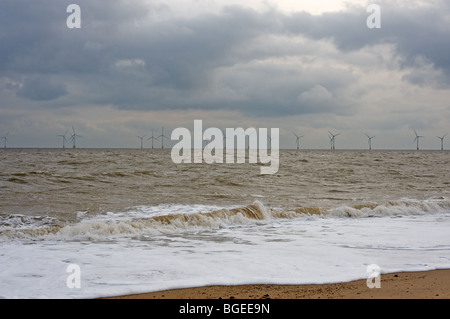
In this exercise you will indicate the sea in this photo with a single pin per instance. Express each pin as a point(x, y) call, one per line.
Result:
point(89, 223)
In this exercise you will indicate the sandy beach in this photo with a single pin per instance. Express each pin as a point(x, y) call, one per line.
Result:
point(406, 285)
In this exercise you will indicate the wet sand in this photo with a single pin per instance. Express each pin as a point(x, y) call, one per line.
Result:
point(433, 284)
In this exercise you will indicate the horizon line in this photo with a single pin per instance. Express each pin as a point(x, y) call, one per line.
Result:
point(246, 149)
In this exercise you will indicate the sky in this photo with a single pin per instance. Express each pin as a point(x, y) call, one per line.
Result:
point(305, 67)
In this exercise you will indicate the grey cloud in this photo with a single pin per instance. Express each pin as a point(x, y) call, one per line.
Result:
point(42, 89)
point(210, 61)
point(420, 32)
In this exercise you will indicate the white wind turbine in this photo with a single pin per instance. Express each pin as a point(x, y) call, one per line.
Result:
point(142, 144)
point(74, 137)
point(333, 139)
point(162, 136)
point(442, 141)
point(417, 139)
point(5, 140)
point(64, 139)
point(224, 139)
point(152, 138)
point(370, 141)
point(297, 141)
point(248, 138)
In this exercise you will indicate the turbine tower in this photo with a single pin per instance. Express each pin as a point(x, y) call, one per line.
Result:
point(224, 140)
point(64, 139)
point(248, 138)
point(442, 141)
point(333, 140)
point(74, 137)
point(142, 144)
point(269, 139)
point(5, 140)
point(297, 141)
point(152, 138)
point(162, 136)
point(370, 141)
point(417, 139)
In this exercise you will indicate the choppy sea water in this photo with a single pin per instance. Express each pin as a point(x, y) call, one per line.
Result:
point(133, 221)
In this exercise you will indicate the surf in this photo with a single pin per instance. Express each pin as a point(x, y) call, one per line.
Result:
point(193, 219)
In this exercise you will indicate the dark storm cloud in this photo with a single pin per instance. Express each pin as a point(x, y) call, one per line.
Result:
point(136, 56)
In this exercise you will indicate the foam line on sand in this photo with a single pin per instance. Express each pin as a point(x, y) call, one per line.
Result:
point(434, 284)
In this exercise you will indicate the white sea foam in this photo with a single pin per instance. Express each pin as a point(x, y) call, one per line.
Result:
point(172, 219)
point(314, 248)
point(404, 207)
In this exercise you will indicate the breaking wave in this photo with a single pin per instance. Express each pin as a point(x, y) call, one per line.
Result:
point(110, 226)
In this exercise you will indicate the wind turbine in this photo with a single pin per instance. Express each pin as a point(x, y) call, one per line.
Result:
point(5, 139)
point(224, 140)
point(74, 138)
point(370, 141)
point(269, 140)
point(333, 139)
point(297, 141)
point(141, 137)
point(64, 139)
point(152, 138)
point(442, 141)
point(162, 136)
point(417, 139)
point(248, 145)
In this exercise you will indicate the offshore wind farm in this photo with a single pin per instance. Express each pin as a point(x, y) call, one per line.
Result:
point(71, 136)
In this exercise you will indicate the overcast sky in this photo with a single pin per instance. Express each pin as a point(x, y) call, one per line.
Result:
point(307, 67)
